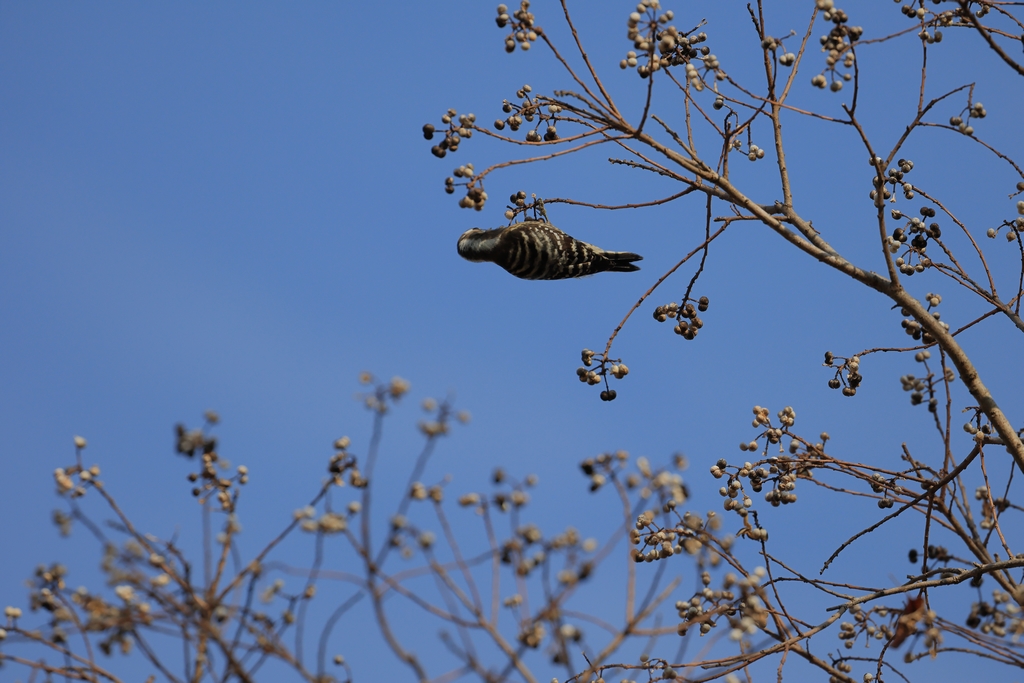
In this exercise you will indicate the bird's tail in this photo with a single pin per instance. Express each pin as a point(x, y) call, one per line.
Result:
point(622, 261)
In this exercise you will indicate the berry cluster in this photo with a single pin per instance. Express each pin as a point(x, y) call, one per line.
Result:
point(511, 494)
point(440, 416)
point(524, 30)
point(770, 43)
point(972, 111)
point(663, 45)
point(957, 17)
point(599, 469)
point(733, 490)
point(530, 109)
point(211, 483)
point(1014, 227)
point(1001, 617)
point(879, 484)
point(459, 127)
point(753, 152)
point(991, 507)
point(605, 367)
point(342, 463)
point(518, 200)
point(519, 205)
point(661, 484)
point(690, 535)
point(920, 13)
point(864, 624)
point(475, 196)
point(837, 44)
point(329, 522)
point(738, 600)
point(914, 328)
point(892, 178)
point(976, 427)
point(528, 549)
point(780, 471)
point(384, 394)
point(64, 478)
point(853, 378)
point(982, 430)
point(917, 233)
point(688, 323)
point(919, 387)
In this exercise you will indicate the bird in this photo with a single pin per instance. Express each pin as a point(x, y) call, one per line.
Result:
point(537, 250)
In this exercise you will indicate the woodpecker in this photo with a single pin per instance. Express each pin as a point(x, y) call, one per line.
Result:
point(536, 250)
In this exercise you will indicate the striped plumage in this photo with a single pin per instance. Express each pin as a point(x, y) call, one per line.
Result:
point(535, 250)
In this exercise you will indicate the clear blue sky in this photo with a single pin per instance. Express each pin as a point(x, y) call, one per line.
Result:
point(230, 206)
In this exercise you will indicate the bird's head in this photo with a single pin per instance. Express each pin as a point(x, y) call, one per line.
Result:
point(476, 244)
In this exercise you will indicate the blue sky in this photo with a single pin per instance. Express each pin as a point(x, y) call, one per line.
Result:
point(230, 206)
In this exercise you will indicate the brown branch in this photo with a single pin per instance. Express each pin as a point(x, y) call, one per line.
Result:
point(643, 297)
point(956, 576)
point(929, 492)
point(614, 207)
point(965, 7)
